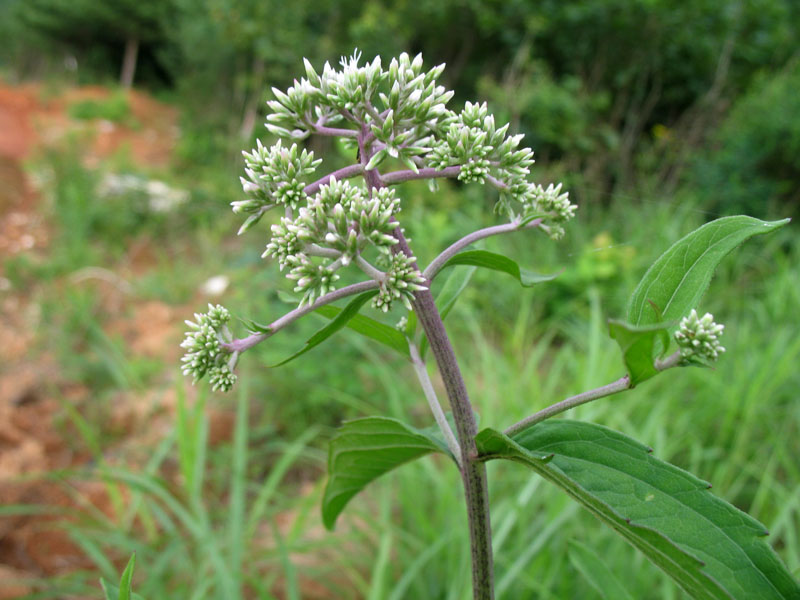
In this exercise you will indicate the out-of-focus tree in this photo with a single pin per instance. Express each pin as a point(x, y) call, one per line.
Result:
point(753, 161)
point(240, 46)
point(235, 50)
point(619, 92)
point(84, 24)
point(619, 77)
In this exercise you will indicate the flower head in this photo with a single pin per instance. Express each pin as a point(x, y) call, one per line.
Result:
point(204, 351)
point(400, 281)
point(698, 337)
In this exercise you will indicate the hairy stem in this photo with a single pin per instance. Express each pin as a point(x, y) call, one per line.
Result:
point(473, 472)
point(426, 173)
point(242, 344)
point(620, 385)
point(437, 263)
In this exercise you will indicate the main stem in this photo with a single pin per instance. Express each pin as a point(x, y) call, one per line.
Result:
point(473, 473)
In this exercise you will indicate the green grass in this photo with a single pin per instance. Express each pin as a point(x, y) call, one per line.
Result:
point(115, 108)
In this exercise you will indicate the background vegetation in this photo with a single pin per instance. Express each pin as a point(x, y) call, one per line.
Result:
point(658, 115)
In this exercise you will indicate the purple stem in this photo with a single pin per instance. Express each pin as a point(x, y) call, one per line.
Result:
point(343, 173)
point(437, 263)
point(473, 472)
point(334, 131)
point(620, 385)
point(426, 173)
point(242, 344)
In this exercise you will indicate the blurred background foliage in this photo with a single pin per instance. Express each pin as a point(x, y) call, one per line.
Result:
point(658, 115)
point(599, 86)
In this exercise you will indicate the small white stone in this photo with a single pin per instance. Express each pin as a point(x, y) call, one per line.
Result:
point(215, 286)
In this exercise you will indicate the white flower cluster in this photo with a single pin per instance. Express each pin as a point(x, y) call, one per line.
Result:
point(407, 116)
point(335, 227)
point(400, 282)
point(482, 150)
point(275, 176)
point(472, 140)
point(698, 337)
point(312, 279)
point(397, 112)
point(204, 352)
point(548, 203)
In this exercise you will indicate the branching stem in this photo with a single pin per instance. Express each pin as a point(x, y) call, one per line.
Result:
point(426, 173)
point(343, 173)
point(334, 131)
point(496, 182)
point(437, 263)
point(620, 385)
point(369, 269)
point(433, 402)
point(242, 344)
point(473, 472)
point(315, 250)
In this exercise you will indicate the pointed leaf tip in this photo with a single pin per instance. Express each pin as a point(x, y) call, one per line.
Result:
point(677, 280)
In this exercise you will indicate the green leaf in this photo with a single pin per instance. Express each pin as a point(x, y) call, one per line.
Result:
point(597, 573)
point(126, 580)
point(493, 444)
point(250, 221)
point(254, 327)
point(531, 217)
point(498, 262)
point(638, 345)
point(376, 159)
point(110, 591)
point(364, 449)
point(709, 547)
point(123, 591)
point(349, 311)
point(287, 298)
point(368, 327)
point(411, 324)
point(453, 286)
point(679, 278)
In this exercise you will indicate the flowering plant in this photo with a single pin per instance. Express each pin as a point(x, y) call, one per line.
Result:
point(397, 117)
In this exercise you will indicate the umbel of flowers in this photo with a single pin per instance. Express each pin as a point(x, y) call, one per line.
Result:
point(397, 121)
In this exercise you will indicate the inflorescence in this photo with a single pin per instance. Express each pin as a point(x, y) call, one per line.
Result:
point(204, 351)
point(396, 115)
point(698, 337)
point(400, 282)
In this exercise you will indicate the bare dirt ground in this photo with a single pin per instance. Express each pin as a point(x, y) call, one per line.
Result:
point(35, 439)
point(38, 443)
